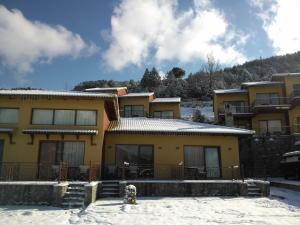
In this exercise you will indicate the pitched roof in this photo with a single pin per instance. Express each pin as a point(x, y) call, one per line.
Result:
point(54, 93)
point(262, 83)
point(285, 74)
point(166, 100)
point(143, 94)
point(171, 126)
point(106, 89)
point(230, 91)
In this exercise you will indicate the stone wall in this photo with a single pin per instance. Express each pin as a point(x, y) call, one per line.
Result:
point(26, 193)
point(261, 157)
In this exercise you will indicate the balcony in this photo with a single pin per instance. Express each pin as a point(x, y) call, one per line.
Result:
point(273, 130)
point(236, 111)
point(276, 104)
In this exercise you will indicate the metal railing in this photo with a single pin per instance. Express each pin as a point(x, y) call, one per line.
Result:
point(169, 172)
point(271, 101)
point(235, 109)
point(23, 171)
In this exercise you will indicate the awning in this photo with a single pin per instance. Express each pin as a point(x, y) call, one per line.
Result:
point(61, 132)
point(9, 132)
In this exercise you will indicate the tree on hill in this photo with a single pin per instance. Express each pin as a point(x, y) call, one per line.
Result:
point(150, 80)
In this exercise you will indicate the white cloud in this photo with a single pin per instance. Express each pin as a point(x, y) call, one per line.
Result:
point(157, 30)
point(24, 43)
point(281, 23)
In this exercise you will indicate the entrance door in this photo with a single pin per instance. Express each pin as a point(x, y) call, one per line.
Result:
point(47, 160)
point(212, 162)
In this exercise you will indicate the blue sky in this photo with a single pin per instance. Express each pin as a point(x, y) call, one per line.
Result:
point(57, 44)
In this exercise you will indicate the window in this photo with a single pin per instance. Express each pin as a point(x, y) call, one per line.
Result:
point(270, 126)
point(163, 114)
point(64, 117)
point(267, 99)
point(235, 106)
point(199, 159)
point(133, 111)
point(86, 118)
point(134, 154)
point(296, 88)
point(42, 116)
point(9, 115)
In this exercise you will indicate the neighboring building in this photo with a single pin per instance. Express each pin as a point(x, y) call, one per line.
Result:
point(143, 104)
point(266, 106)
point(39, 129)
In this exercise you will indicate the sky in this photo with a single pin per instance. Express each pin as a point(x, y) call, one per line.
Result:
point(59, 43)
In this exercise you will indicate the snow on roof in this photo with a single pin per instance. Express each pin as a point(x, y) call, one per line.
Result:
point(55, 93)
point(151, 125)
point(230, 91)
point(285, 74)
point(291, 153)
point(262, 83)
point(106, 89)
point(143, 94)
point(60, 131)
point(166, 100)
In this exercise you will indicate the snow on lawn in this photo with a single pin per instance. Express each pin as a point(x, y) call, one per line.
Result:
point(199, 210)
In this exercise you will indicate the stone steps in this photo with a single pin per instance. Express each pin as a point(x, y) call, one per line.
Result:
point(74, 197)
point(253, 190)
point(110, 189)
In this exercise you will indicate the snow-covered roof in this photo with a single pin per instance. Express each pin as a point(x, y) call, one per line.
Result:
point(143, 94)
point(60, 131)
point(285, 74)
point(106, 89)
point(166, 100)
point(262, 83)
point(230, 91)
point(291, 153)
point(175, 126)
point(55, 93)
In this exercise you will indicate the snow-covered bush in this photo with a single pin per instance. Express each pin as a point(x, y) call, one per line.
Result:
point(130, 194)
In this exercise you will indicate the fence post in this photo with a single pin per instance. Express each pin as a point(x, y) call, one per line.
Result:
point(59, 172)
point(90, 172)
point(243, 172)
point(232, 173)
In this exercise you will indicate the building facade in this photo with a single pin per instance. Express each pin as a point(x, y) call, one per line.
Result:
point(41, 130)
point(268, 107)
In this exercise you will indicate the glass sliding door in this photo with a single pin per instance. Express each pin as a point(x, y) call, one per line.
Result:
point(212, 162)
point(47, 158)
point(201, 162)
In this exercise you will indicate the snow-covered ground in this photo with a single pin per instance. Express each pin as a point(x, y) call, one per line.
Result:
point(284, 209)
point(284, 181)
point(205, 107)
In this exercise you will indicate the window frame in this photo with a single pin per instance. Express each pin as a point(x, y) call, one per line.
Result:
point(268, 126)
point(161, 113)
point(269, 98)
point(131, 106)
point(53, 117)
point(18, 117)
point(139, 149)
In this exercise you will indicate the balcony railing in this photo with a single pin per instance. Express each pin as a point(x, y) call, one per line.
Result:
point(235, 109)
point(276, 101)
point(24, 171)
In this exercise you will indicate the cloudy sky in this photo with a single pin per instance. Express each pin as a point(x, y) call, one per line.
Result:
point(59, 43)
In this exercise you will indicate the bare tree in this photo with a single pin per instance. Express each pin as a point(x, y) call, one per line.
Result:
point(211, 67)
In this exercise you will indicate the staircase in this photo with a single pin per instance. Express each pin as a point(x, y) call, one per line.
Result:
point(74, 197)
point(253, 190)
point(110, 189)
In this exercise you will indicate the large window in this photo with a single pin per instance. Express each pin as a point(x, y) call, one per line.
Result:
point(296, 88)
point(267, 99)
point(134, 111)
point(163, 114)
point(201, 161)
point(64, 117)
point(134, 154)
point(235, 106)
point(270, 126)
point(8, 115)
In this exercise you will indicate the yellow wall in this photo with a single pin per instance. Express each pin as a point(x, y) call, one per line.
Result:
point(289, 83)
point(134, 101)
point(220, 99)
point(268, 116)
point(175, 107)
point(264, 89)
point(168, 149)
point(293, 114)
point(21, 151)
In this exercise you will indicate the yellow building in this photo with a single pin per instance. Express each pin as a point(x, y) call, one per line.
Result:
point(143, 104)
point(268, 107)
point(42, 132)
